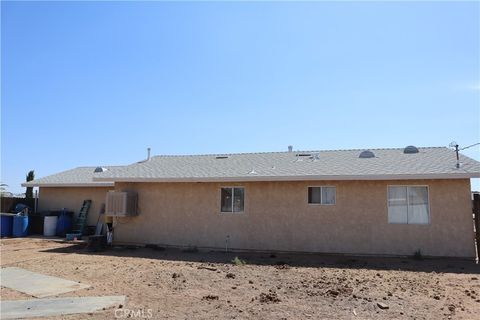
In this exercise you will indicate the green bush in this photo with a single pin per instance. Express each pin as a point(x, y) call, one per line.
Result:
point(238, 262)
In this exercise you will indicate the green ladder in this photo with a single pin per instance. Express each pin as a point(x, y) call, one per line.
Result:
point(81, 220)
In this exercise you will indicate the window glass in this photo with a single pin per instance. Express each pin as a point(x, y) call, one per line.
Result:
point(408, 204)
point(232, 199)
point(418, 205)
point(397, 205)
point(314, 195)
point(238, 199)
point(226, 199)
point(328, 195)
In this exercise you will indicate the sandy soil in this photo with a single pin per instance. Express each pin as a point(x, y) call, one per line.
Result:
point(173, 284)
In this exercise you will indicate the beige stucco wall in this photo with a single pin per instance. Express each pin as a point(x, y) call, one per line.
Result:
point(277, 217)
point(72, 199)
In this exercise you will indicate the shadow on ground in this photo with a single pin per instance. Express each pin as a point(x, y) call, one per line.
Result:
point(445, 265)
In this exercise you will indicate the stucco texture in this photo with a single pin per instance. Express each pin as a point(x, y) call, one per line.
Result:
point(278, 217)
point(72, 198)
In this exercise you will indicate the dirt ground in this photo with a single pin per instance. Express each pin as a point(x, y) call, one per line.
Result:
point(175, 284)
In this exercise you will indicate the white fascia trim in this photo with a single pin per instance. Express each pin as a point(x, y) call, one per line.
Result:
point(59, 185)
point(301, 178)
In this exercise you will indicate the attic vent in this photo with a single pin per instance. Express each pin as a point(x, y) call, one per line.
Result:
point(100, 169)
point(366, 154)
point(221, 157)
point(410, 150)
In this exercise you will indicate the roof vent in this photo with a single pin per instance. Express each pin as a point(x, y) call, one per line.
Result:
point(100, 169)
point(315, 156)
point(290, 148)
point(410, 150)
point(366, 154)
point(303, 155)
point(221, 157)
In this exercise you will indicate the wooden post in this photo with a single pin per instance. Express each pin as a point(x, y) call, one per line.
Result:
point(476, 212)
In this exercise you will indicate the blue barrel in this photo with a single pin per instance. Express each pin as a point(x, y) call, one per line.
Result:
point(64, 223)
point(6, 225)
point(20, 226)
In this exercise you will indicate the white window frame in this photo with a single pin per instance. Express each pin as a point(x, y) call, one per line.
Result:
point(322, 204)
point(233, 196)
point(408, 202)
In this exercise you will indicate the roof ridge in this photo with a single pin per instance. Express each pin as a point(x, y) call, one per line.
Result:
point(104, 166)
point(276, 152)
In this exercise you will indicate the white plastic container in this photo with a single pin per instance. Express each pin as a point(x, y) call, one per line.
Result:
point(50, 226)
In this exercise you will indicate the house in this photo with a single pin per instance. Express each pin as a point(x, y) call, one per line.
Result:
point(378, 201)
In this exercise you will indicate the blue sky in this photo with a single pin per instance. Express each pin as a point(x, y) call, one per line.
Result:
point(97, 83)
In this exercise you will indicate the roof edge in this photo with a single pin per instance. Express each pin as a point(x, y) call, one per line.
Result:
point(51, 185)
point(462, 175)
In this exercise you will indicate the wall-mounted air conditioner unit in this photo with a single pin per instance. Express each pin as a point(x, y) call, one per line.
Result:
point(121, 204)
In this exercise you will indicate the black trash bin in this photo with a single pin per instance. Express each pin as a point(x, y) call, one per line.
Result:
point(36, 221)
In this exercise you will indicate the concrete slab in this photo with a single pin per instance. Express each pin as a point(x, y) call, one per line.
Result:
point(36, 284)
point(15, 309)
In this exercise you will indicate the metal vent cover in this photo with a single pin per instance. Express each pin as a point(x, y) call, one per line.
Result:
point(366, 154)
point(410, 150)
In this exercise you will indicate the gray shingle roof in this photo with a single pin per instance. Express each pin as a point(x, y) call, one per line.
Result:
point(81, 177)
point(429, 163)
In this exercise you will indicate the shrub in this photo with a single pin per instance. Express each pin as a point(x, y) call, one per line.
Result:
point(238, 262)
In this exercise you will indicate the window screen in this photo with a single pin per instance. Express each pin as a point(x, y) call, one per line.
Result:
point(328, 195)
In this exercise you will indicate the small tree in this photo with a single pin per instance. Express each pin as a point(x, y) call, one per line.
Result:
point(29, 191)
point(3, 189)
